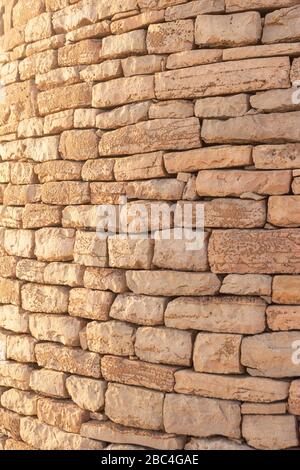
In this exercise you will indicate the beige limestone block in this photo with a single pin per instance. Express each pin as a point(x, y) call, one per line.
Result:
point(264, 409)
point(139, 309)
point(209, 417)
point(45, 437)
point(65, 193)
point(31, 270)
point(195, 57)
point(222, 107)
point(10, 423)
point(189, 9)
point(164, 345)
point(13, 318)
point(62, 414)
point(98, 170)
point(294, 398)
point(83, 217)
point(256, 251)
point(98, 30)
point(19, 243)
point(11, 217)
point(130, 253)
point(74, 16)
point(112, 337)
point(217, 353)
point(124, 45)
point(91, 304)
point(107, 70)
point(167, 38)
point(53, 42)
point(20, 348)
point(78, 145)
point(64, 273)
point(159, 134)
point(286, 290)
point(283, 317)
point(105, 279)
point(37, 63)
point(229, 78)
point(125, 405)
point(296, 186)
point(42, 149)
point(90, 250)
point(54, 244)
point(20, 195)
point(80, 53)
point(49, 383)
point(85, 118)
point(32, 127)
point(59, 99)
point(54, 78)
point(170, 283)
point(10, 291)
point(65, 359)
point(12, 444)
point(270, 354)
point(56, 328)
point(283, 211)
point(88, 394)
point(39, 27)
point(241, 5)
point(270, 432)
point(23, 173)
point(47, 299)
point(14, 374)
point(215, 443)
point(269, 50)
point(124, 116)
point(274, 101)
point(130, 372)
point(143, 65)
point(177, 109)
point(58, 122)
point(139, 167)
point(224, 314)
point(21, 402)
point(24, 10)
point(137, 21)
point(247, 284)
point(233, 387)
point(41, 215)
point(282, 25)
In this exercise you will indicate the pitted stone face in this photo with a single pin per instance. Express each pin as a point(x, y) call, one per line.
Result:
point(149, 224)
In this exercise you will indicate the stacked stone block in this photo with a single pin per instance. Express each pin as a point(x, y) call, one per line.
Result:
point(115, 343)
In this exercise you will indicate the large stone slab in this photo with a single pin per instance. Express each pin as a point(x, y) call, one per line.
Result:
point(270, 432)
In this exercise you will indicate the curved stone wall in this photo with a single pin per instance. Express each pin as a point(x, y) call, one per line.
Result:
point(120, 339)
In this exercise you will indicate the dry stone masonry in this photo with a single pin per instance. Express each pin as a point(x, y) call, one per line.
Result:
point(139, 343)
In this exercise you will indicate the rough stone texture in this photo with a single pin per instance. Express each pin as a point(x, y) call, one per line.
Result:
point(182, 117)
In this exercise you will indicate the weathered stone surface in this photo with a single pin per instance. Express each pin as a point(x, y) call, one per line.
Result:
point(79, 145)
point(241, 388)
point(13, 374)
point(58, 99)
point(108, 70)
point(45, 437)
point(240, 29)
point(176, 109)
point(105, 279)
point(164, 345)
point(49, 383)
point(286, 290)
point(19, 243)
point(10, 423)
point(130, 253)
point(191, 9)
point(229, 78)
point(195, 57)
point(62, 414)
point(217, 353)
point(241, 5)
point(20, 348)
point(166, 38)
point(283, 317)
point(31, 270)
point(58, 122)
point(65, 193)
point(111, 432)
point(247, 284)
point(42, 149)
point(210, 417)
point(139, 167)
point(88, 394)
point(12, 444)
point(124, 405)
point(54, 244)
point(129, 372)
point(91, 304)
point(172, 283)
point(123, 45)
point(122, 91)
point(222, 107)
point(13, 318)
point(61, 329)
point(47, 299)
point(74, 361)
point(24, 403)
point(270, 354)
point(37, 63)
point(90, 250)
point(137, 21)
point(112, 337)
point(83, 53)
point(294, 395)
point(64, 273)
point(273, 101)
point(143, 65)
point(264, 409)
point(224, 314)
point(282, 25)
point(283, 211)
point(41, 215)
point(215, 443)
point(10, 291)
point(139, 309)
point(256, 251)
point(123, 116)
point(270, 432)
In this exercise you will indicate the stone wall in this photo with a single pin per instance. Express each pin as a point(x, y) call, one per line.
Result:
point(115, 342)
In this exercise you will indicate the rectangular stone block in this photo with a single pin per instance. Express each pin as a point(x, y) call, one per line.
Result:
point(65, 193)
point(271, 157)
point(282, 25)
point(107, 70)
point(54, 244)
point(20, 348)
point(10, 291)
point(31, 270)
point(41, 215)
point(172, 283)
point(42, 149)
point(223, 107)
point(124, 45)
point(58, 122)
point(241, 5)
point(10, 423)
point(56, 328)
point(270, 432)
point(101, 169)
point(80, 53)
point(49, 383)
point(286, 290)
point(123, 116)
point(46, 299)
point(137, 21)
point(247, 284)
point(112, 337)
point(284, 211)
point(24, 403)
point(90, 250)
point(240, 29)
point(164, 345)
point(137, 167)
point(130, 253)
point(73, 16)
point(58, 170)
point(167, 38)
point(283, 317)
point(88, 394)
point(129, 372)
point(224, 314)
point(79, 145)
point(122, 91)
point(37, 63)
point(194, 57)
point(59, 99)
point(62, 414)
point(14, 374)
point(22, 173)
point(71, 360)
point(64, 273)
point(39, 27)
point(124, 405)
point(91, 304)
point(210, 417)
point(159, 134)
point(256, 251)
point(19, 243)
point(229, 78)
point(191, 9)
point(105, 279)
point(20, 195)
point(139, 309)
